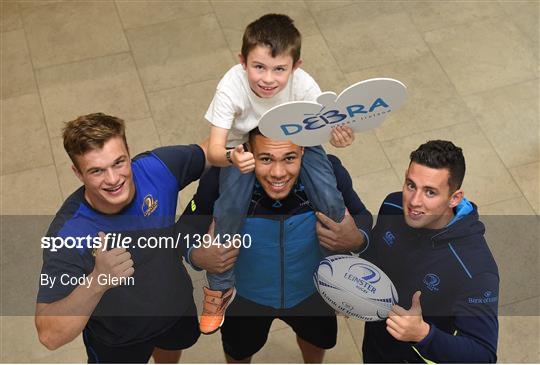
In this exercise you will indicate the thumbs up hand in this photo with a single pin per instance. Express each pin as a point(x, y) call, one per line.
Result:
point(243, 160)
point(112, 263)
point(407, 325)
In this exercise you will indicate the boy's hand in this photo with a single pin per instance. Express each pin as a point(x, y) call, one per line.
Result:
point(342, 136)
point(243, 160)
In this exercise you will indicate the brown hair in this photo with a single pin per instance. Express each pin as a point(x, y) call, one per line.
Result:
point(89, 132)
point(275, 31)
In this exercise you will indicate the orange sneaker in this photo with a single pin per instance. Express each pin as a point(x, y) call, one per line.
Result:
point(214, 306)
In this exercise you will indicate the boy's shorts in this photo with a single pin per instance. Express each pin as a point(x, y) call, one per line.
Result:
point(180, 336)
point(247, 325)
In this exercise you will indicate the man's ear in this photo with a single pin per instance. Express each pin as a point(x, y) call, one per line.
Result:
point(242, 60)
point(77, 173)
point(302, 151)
point(297, 64)
point(456, 198)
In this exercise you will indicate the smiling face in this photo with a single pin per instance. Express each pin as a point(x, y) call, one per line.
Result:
point(427, 200)
point(268, 75)
point(277, 165)
point(107, 177)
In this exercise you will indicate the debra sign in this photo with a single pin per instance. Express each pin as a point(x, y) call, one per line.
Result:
point(362, 106)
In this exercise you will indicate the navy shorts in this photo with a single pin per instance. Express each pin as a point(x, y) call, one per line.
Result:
point(247, 325)
point(183, 334)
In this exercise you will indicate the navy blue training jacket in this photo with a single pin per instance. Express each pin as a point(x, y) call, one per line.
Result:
point(277, 270)
point(458, 277)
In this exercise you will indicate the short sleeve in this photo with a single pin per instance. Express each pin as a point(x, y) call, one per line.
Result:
point(186, 163)
point(222, 111)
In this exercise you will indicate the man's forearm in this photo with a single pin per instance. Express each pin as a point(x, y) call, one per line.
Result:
point(62, 321)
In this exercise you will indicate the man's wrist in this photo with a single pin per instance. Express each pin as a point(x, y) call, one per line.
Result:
point(95, 286)
point(424, 331)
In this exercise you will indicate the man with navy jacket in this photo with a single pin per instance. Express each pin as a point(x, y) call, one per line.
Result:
point(430, 242)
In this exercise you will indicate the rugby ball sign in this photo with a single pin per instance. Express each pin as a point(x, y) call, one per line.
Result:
point(355, 287)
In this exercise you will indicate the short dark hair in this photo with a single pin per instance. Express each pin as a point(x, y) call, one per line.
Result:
point(90, 132)
point(439, 154)
point(276, 31)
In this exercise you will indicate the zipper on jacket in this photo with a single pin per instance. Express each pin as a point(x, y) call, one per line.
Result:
point(282, 249)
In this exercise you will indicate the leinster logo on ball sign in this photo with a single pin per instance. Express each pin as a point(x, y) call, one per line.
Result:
point(362, 106)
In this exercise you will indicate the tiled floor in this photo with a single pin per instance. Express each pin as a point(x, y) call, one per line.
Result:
point(471, 68)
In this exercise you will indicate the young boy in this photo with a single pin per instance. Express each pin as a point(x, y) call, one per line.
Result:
point(268, 75)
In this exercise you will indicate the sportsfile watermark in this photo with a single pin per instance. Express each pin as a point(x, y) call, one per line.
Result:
point(512, 240)
point(121, 240)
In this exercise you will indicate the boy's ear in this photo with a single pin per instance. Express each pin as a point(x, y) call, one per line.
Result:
point(242, 60)
point(297, 64)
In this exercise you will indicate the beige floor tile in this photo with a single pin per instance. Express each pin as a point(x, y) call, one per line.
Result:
point(24, 138)
point(107, 84)
point(173, 54)
point(528, 179)
point(20, 343)
point(345, 350)
point(141, 13)
point(67, 180)
point(65, 356)
point(517, 206)
point(483, 55)
point(356, 327)
point(486, 181)
point(509, 117)
point(364, 156)
point(234, 40)
point(10, 17)
point(16, 67)
point(434, 15)
point(356, 40)
point(179, 112)
point(319, 6)
point(527, 307)
point(238, 14)
point(373, 188)
point(142, 136)
point(417, 74)
point(71, 31)
point(319, 62)
point(513, 240)
point(429, 105)
point(30, 192)
point(518, 340)
point(525, 15)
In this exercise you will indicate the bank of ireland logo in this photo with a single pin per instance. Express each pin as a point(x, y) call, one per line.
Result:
point(432, 282)
point(362, 106)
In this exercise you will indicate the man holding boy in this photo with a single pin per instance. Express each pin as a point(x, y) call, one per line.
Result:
point(429, 240)
point(274, 275)
point(268, 75)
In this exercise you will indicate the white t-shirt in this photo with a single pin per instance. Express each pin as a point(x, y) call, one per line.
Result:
point(237, 108)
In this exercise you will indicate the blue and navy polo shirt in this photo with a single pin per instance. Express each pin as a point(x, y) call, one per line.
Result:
point(162, 289)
